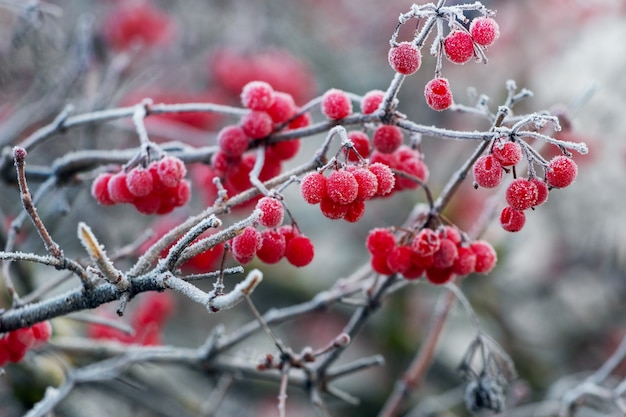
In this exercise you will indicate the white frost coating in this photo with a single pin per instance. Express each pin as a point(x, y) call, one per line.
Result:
point(241, 291)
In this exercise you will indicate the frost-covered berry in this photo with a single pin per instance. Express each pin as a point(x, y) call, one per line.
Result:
point(245, 245)
point(380, 241)
point(414, 167)
point(361, 143)
point(487, 171)
point(465, 262)
point(379, 265)
point(458, 46)
point(371, 101)
point(272, 212)
point(333, 210)
point(446, 255)
point(273, 246)
point(356, 210)
point(426, 242)
point(507, 153)
point(342, 187)
point(387, 138)
point(521, 194)
point(336, 104)
point(386, 178)
point(139, 182)
point(439, 276)
point(118, 190)
point(484, 30)
point(283, 150)
point(561, 171)
point(405, 58)
point(257, 95)
point(100, 191)
point(232, 141)
point(313, 187)
point(283, 109)
point(438, 94)
point(367, 181)
point(542, 190)
point(486, 256)
point(257, 124)
point(399, 259)
point(512, 220)
point(300, 251)
point(452, 233)
point(170, 170)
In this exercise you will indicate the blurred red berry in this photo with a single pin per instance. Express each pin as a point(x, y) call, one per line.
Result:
point(426, 243)
point(170, 170)
point(371, 101)
point(257, 95)
point(118, 190)
point(100, 190)
point(139, 182)
point(361, 143)
point(257, 124)
point(232, 141)
point(486, 256)
point(380, 241)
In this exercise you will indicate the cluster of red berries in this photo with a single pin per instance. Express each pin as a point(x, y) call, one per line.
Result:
point(148, 318)
point(275, 242)
point(439, 255)
point(159, 188)
point(458, 45)
point(343, 193)
point(522, 193)
point(15, 344)
point(404, 160)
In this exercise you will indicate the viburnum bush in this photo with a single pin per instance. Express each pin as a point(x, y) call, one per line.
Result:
point(174, 207)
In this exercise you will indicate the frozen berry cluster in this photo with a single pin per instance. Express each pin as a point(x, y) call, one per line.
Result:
point(157, 189)
point(15, 344)
point(438, 255)
point(522, 193)
point(404, 160)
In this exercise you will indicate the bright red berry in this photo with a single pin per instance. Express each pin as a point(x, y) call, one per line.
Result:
point(371, 101)
point(487, 171)
point(232, 141)
point(42, 331)
point(458, 46)
point(414, 167)
point(336, 104)
point(313, 187)
point(542, 190)
point(245, 245)
point(139, 182)
point(484, 30)
point(170, 170)
point(465, 262)
point(439, 276)
point(438, 94)
point(361, 143)
point(507, 153)
point(100, 190)
point(300, 251)
point(451, 233)
point(148, 204)
point(413, 272)
point(18, 342)
point(367, 183)
point(283, 150)
point(379, 265)
point(512, 220)
point(426, 243)
point(272, 212)
point(399, 259)
point(333, 210)
point(257, 95)
point(446, 255)
point(356, 210)
point(273, 246)
point(486, 256)
point(405, 58)
point(257, 124)
point(154, 309)
point(521, 194)
point(137, 23)
point(561, 171)
point(342, 187)
point(387, 138)
point(380, 241)
point(300, 121)
point(283, 109)
point(386, 178)
point(118, 190)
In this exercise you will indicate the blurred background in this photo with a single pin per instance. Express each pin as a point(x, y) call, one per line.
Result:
point(556, 301)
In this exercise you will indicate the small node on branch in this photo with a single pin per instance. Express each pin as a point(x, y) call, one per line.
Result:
point(19, 154)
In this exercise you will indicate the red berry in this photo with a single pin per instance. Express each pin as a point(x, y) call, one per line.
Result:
point(399, 259)
point(154, 309)
point(148, 204)
point(257, 124)
point(361, 143)
point(561, 171)
point(170, 170)
point(336, 104)
point(484, 30)
point(283, 109)
point(273, 246)
point(465, 262)
point(438, 94)
point(220, 162)
point(232, 141)
point(405, 58)
point(542, 190)
point(487, 171)
point(139, 182)
point(42, 331)
point(387, 138)
point(413, 272)
point(272, 212)
point(414, 167)
point(245, 245)
point(332, 209)
point(299, 251)
point(379, 265)
point(257, 95)
point(512, 220)
point(371, 101)
point(451, 233)
point(18, 342)
point(100, 191)
point(446, 255)
point(380, 241)
point(367, 183)
point(458, 46)
point(356, 210)
point(507, 153)
point(439, 276)
point(422, 262)
point(131, 23)
point(4, 351)
point(118, 190)
point(426, 243)
point(301, 121)
point(283, 150)
point(342, 187)
point(486, 256)
point(386, 178)
point(313, 187)
point(521, 194)
point(287, 231)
